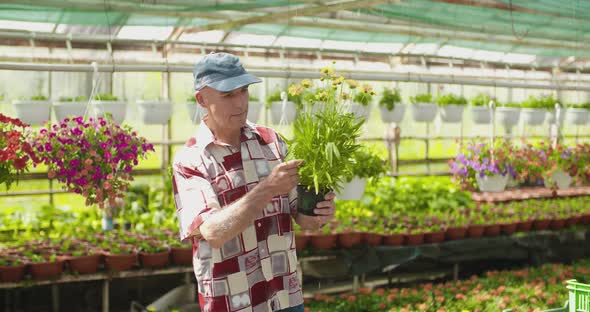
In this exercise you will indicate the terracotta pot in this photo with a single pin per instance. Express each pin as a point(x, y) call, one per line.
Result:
point(508, 228)
point(393, 239)
point(120, 262)
point(571, 221)
point(475, 231)
point(541, 224)
point(324, 241)
point(557, 224)
point(491, 230)
point(301, 241)
point(372, 239)
point(434, 237)
point(46, 270)
point(12, 274)
point(349, 239)
point(414, 239)
point(181, 255)
point(84, 264)
point(456, 233)
point(524, 226)
point(585, 218)
point(154, 260)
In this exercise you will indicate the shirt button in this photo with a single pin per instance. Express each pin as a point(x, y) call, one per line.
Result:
point(259, 224)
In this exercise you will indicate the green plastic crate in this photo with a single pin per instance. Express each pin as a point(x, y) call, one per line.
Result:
point(579, 296)
point(562, 309)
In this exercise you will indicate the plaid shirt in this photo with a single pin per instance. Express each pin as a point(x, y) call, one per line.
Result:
point(256, 270)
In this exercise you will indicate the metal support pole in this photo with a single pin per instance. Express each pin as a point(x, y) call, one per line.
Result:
point(55, 297)
point(427, 149)
point(456, 271)
point(105, 295)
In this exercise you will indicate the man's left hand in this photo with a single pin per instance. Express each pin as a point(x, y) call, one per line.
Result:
point(324, 213)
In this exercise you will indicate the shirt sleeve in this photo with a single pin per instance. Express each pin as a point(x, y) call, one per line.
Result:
point(284, 150)
point(195, 200)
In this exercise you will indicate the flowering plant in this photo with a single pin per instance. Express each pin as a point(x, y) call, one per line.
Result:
point(15, 152)
point(478, 158)
point(91, 157)
point(558, 158)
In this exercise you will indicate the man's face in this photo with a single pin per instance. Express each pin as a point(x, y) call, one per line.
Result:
point(229, 109)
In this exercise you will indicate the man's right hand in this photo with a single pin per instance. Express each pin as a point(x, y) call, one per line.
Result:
point(284, 177)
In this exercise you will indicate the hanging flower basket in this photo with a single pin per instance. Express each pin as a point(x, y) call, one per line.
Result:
point(35, 111)
point(577, 116)
point(287, 114)
point(16, 154)
point(156, 112)
point(533, 116)
point(195, 112)
point(70, 106)
point(91, 157)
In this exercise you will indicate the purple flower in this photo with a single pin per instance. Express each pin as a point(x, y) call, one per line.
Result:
point(74, 163)
point(128, 168)
point(48, 147)
point(103, 146)
point(107, 155)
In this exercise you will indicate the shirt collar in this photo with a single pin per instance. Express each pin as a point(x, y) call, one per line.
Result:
point(204, 136)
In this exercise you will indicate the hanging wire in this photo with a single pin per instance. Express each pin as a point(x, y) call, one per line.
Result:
point(517, 36)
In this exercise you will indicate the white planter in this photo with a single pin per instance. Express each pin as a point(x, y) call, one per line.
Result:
point(353, 190)
point(481, 115)
point(33, 112)
point(195, 112)
point(551, 117)
point(452, 113)
point(494, 183)
point(155, 112)
point(577, 116)
point(559, 178)
point(360, 111)
point(396, 115)
point(424, 112)
point(68, 109)
point(118, 109)
point(508, 116)
point(254, 108)
point(533, 116)
point(287, 116)
point(511, 182)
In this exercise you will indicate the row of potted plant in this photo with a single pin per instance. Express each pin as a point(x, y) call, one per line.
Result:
point(528, 289)
point(481, 166)
point(112, 251)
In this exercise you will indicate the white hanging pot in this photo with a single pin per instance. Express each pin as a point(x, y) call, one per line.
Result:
point(155, 112)
point(33, 112)
point(560, 178)
point(254, 108)
point(452, 113)
point(512, 182)
point(395, 115)
point(493, 183)
point(353, 190)
point(276, 112)
point(118, 109)
point(481, 115)
point(533, 116)
point(508, 116)
point(577, 116)
point(551, 117)
point(360, 111)
point(63, 110)
point(424, 112)
point(195, 112)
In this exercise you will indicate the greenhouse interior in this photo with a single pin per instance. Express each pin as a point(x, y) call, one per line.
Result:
point(295, 155)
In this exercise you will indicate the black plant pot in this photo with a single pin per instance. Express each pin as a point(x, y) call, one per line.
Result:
point(307, 200)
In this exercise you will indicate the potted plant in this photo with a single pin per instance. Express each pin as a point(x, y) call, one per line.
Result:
point(44, 267)
point(12, 269)
point(194, 109)
point(451, 107)
point(560, 164)
point(394, 235)
point(284, 111)
point(91, 157)
point(84, 260)
point(325, 141)
point(34, 111)
point(457, 228)
point(552, 114)
point(325, 238)
point(254, 108)
point(70, 106)
point(153, 255)
point(508, 115)
point(16, 153)
point(301, 239)
point(423, 107)
point(534, 109)
point(180, 253)
point(348, 236)
point(155, 112)
point(414, 236)
point(108, 103)
point(366, 164)
point(391, 107)
point(118, 257)
point(361, 102)
point(577, 114)
point(481, 113)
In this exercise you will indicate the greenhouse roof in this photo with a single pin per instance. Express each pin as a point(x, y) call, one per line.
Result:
point(510, 30)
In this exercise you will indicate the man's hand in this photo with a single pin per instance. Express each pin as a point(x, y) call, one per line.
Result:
point(283, 178)
point(324, 213)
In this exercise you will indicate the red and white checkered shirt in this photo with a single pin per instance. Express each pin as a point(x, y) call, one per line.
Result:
point(256, 270)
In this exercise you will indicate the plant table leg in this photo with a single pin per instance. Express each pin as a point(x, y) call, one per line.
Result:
point(105, 296)
point(455, 271)
point(355, 283)
point(55, 297)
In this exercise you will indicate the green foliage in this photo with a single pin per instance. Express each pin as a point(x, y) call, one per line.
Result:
point(105, 97)
point(80, 98)
point(481, 100)
point(253, 99)
point(421, 98)
point(451, 99)
point(367, 163)
point(544, 101)
point(38, 98)
point(276, 97)
point(191, 98)
point(389, 98)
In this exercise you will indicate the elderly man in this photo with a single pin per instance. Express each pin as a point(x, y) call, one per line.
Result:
point(235, 198)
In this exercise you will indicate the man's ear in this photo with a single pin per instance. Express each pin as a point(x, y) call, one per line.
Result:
point(199, 97)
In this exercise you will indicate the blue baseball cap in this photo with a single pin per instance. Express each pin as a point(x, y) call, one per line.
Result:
point(222, 72)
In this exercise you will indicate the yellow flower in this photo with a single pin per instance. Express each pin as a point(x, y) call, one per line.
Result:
point(367, 88)
point(337, 80)
point(344, 96)
point(306, 83)
point(352, 83)
point(327, 71)
point(321, 96)
point(295, 89)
